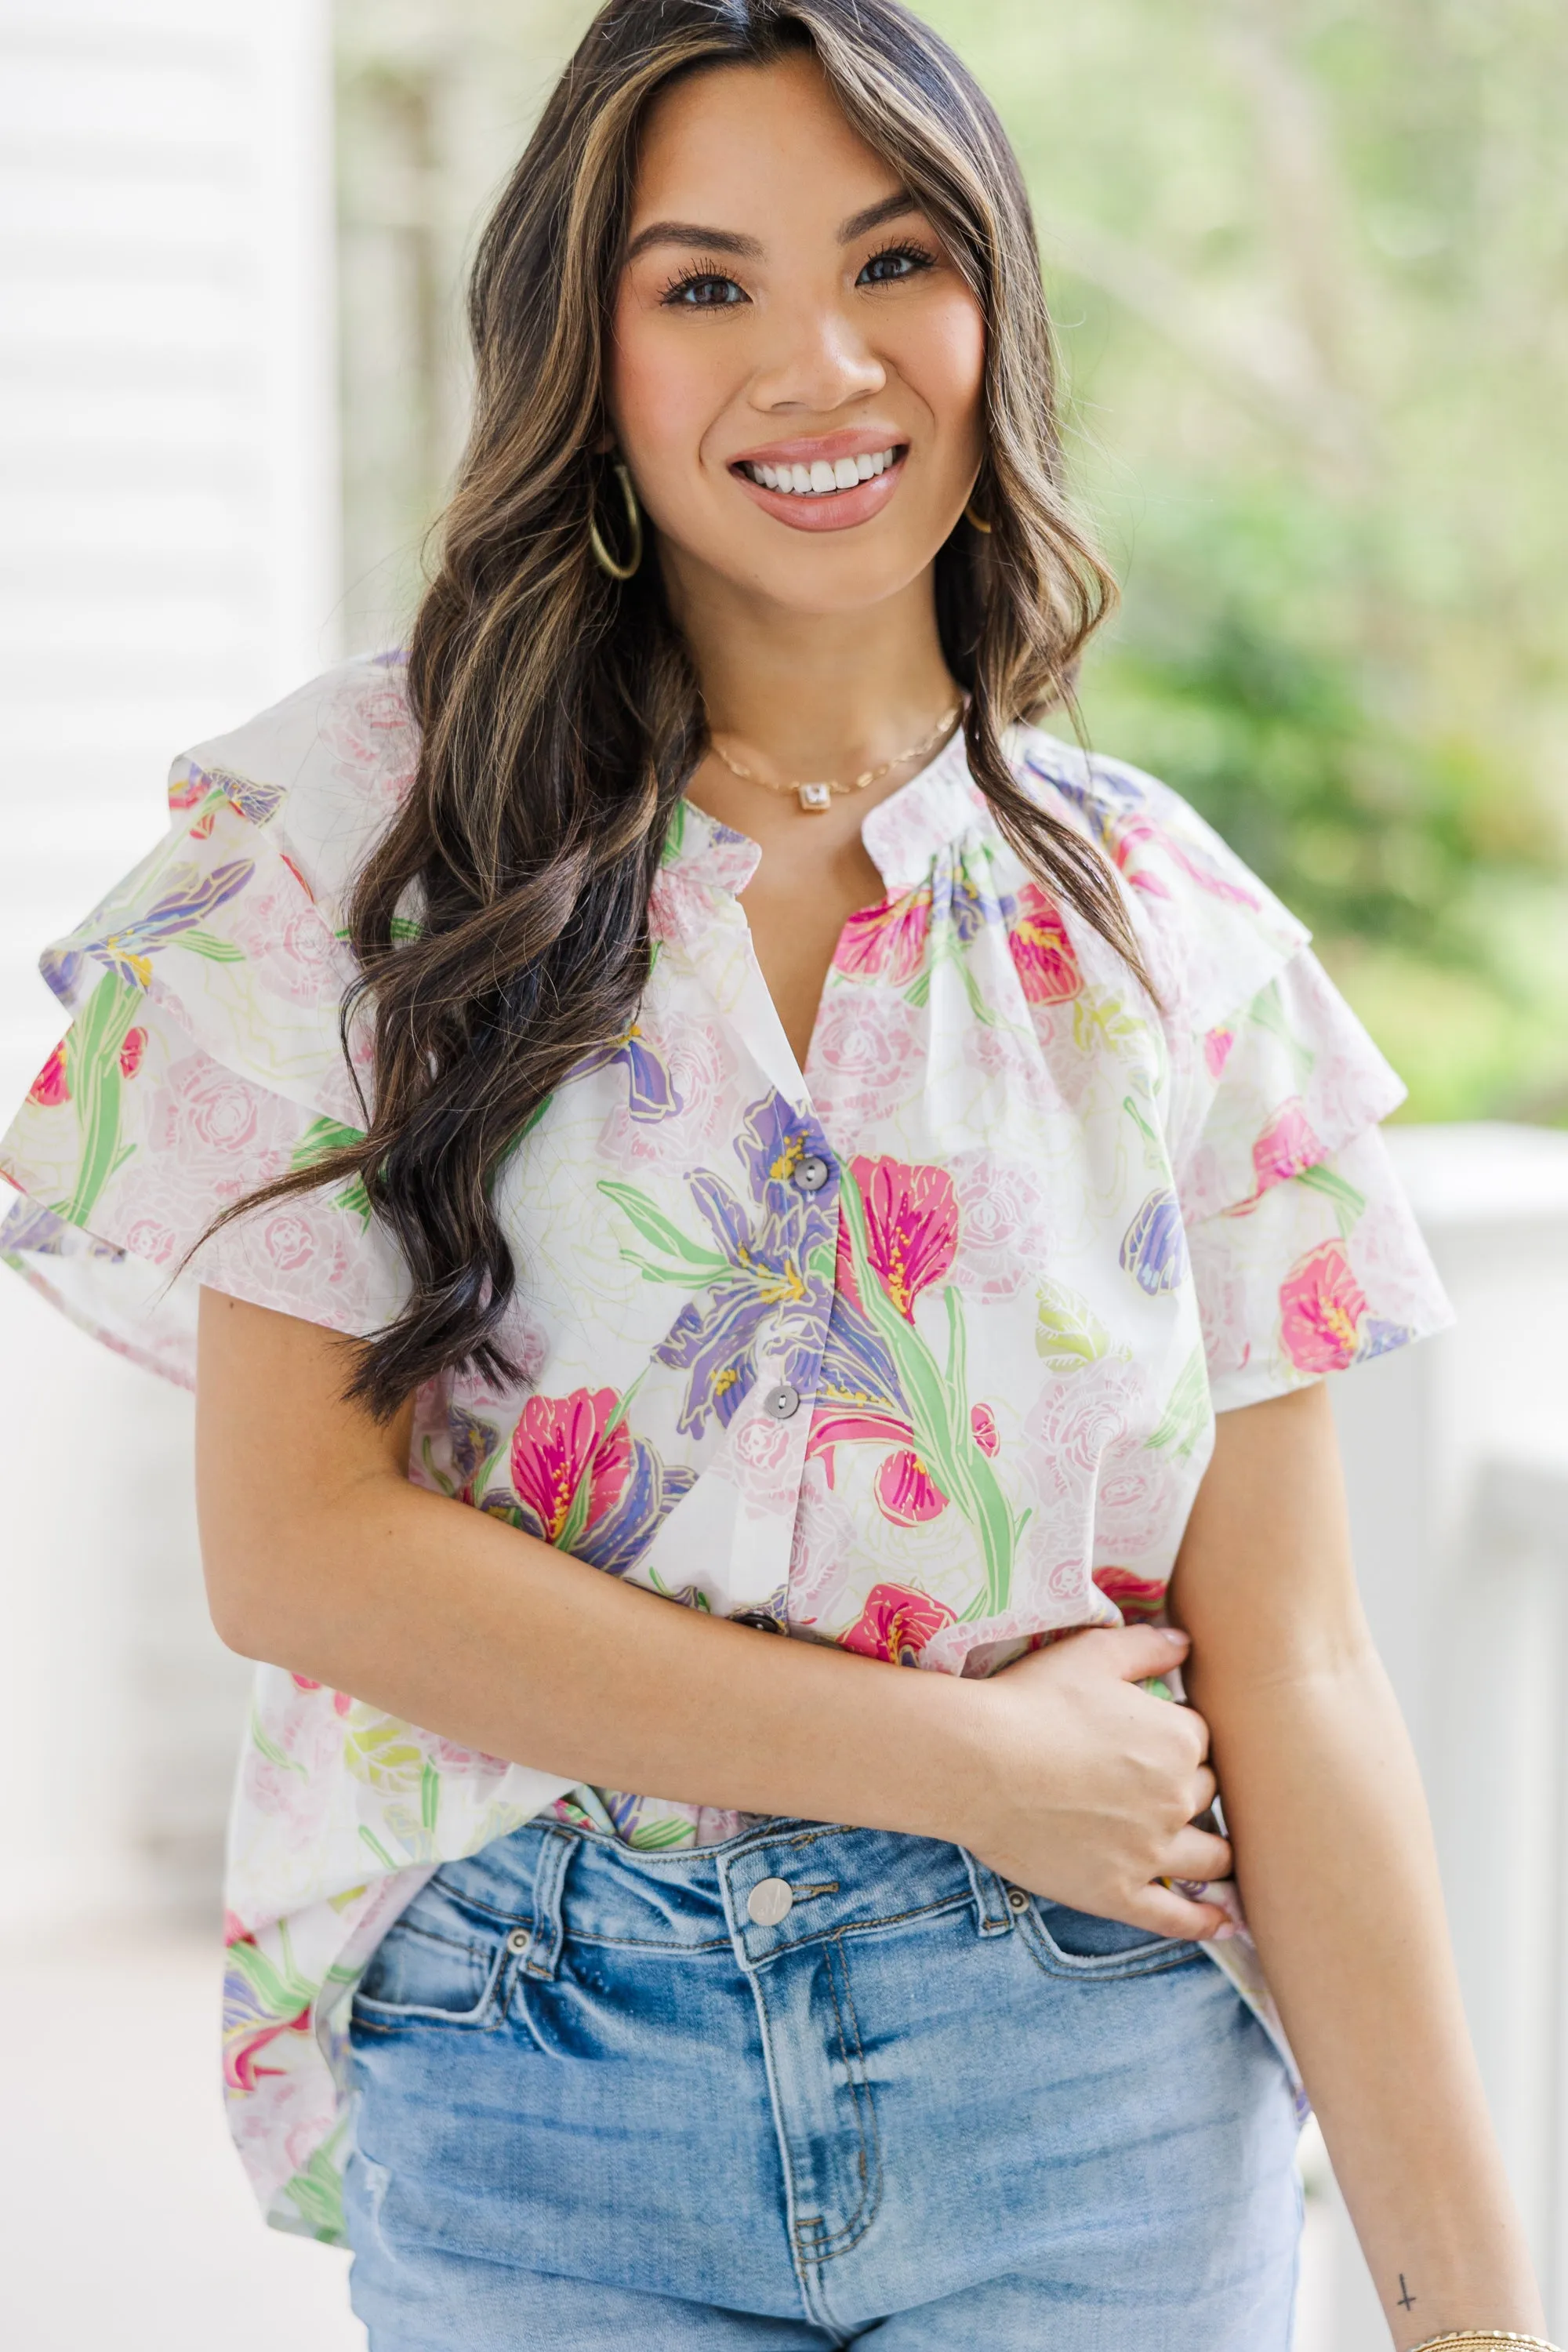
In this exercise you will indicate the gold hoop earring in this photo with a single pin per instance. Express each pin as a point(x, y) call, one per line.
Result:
point(972, 520)
point(602, 556)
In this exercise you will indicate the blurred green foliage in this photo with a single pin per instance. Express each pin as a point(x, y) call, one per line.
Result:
point(1308, 260)
point(1309, 263)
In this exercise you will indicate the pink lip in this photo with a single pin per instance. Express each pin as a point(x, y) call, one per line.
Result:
point(830, 509)
point(857, 441)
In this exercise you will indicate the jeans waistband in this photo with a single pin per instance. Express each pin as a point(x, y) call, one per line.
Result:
point(777, 1885)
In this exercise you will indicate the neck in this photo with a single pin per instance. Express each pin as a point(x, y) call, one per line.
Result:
point(816, 694)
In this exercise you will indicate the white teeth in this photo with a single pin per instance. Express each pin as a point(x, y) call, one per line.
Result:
point(820, 480)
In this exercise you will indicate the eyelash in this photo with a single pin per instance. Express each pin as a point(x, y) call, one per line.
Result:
point(709, 273)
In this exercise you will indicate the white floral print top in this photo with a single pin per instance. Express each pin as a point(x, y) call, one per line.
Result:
point(917, 1350)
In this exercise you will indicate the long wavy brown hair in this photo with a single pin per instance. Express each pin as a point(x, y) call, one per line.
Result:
point(560, 714)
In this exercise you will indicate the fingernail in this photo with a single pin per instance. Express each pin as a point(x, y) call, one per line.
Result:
point(1227, 1927)
point(1173, 1633)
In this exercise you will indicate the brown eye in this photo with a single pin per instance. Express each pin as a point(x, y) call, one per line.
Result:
point(704, 289)
point(896, 261)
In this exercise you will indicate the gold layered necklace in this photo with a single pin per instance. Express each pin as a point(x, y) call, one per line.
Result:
point(817, 797)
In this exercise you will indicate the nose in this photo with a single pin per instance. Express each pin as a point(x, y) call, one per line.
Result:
point(818, 360)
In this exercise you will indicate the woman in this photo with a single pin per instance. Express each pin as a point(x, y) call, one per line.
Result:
point(805, 1145)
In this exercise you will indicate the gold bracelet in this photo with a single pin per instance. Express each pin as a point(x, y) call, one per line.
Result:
point(1478, 2339)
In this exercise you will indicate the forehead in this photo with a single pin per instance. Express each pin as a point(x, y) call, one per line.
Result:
point(762, 149)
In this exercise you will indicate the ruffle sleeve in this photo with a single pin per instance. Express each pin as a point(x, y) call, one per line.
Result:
point(205, 1058)
point(1305, 1254)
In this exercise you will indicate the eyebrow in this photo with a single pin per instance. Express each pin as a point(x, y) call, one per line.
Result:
point(749, 248)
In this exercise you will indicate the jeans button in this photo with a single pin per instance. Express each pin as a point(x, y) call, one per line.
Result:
point(518, 1941)
point(783, 1402)
point(769, 1901)
point(813, 1173)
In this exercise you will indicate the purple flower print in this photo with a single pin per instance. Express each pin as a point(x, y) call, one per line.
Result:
point(190, 899)
point(616, 1541)
point(651, 1092)
point(1154, 1246)
point(767, 1264)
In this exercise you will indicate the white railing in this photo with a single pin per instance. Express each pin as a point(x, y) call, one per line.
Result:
point(1457, 1457)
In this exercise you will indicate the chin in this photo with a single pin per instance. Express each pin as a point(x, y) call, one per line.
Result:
point(825, 575)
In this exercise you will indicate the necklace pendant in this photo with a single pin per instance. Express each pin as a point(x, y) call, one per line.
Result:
point(814, 798)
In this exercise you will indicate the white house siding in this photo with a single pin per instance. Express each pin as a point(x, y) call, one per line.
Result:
point(168, 561)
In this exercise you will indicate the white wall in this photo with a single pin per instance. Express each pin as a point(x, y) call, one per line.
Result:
point(168, 562)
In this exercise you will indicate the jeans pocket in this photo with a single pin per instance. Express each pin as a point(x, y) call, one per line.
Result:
point(1080, 1944)
point(440, 1963)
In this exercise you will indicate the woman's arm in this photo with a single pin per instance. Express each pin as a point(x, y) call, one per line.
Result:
point(1335, 1865)
point(320, 1556)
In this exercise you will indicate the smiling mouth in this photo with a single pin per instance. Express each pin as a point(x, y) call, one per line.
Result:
point(821, 479)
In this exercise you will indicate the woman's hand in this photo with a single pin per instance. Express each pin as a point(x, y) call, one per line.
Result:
point(1085, 1788)
point(322, 1556)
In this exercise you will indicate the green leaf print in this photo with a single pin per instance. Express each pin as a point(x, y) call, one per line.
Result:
point(691, 1259)
point(1267, 1011)
point(279, 1989)
point(1346, 1201)
point(659, 1837)
point(317, 2194)
point(939, 1408)
point(321, 1137)
point(202, 944)
point(1187, 1413)
point(96, 1084)
point(1068, 1335)
point(378, 1749)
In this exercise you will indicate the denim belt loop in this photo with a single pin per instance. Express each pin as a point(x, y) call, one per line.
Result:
point(556, 1848)
point(993, 1912)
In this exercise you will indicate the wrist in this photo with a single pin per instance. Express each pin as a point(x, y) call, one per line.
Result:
point(936, 1771)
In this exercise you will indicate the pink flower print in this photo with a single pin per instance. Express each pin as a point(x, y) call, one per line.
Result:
point(905, 1492)
point(342, 1700)
point(289, 1241)
point(866, 1055)
point(51, 1085)
point(982, 1422)
point(556, 1441)
point(1217, 1043)
point(1320, 1309)
point(886, 942)
point(1285, 1146)
point(1002, 1223)
point(241, 2067)
point(1041, 950)
point(132, 1046)
point(912, 1229)
point(148, 1238)
point(896, 1624)
point(189, 790)
point(1135, 1596)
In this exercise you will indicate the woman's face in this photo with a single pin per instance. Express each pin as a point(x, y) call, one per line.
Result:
point(785, 306)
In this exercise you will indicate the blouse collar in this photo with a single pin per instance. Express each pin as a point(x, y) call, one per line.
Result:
point(903, 835)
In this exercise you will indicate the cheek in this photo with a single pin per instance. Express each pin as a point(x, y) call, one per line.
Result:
point(664, 388)
point(945, 366)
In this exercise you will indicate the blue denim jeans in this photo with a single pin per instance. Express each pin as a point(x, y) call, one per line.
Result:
point(814, 2086)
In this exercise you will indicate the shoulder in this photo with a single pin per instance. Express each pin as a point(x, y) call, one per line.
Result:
point(324, 770)
point(1212, 933)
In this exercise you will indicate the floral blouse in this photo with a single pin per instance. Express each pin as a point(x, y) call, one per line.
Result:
point(916, 1350)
